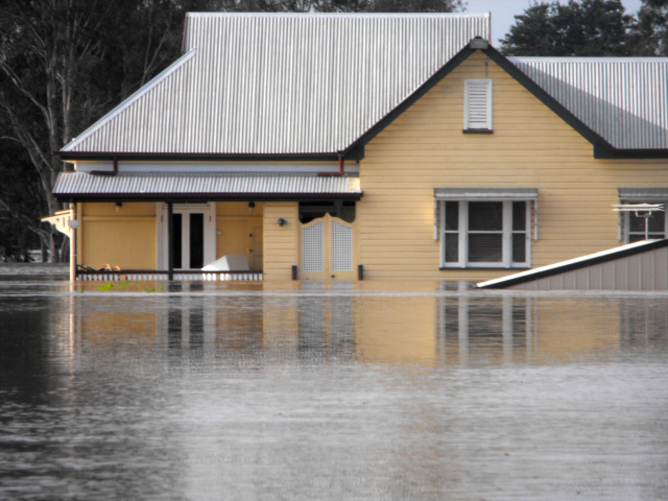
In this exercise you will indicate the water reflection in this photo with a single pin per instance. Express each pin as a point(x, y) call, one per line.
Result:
point(331, 391)
point(319, 321)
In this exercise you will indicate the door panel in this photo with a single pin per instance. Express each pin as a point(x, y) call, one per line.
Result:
point(328, 249)
point(232, 238)
point(257, 252)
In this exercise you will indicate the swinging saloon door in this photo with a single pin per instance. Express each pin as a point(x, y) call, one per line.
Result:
point(328, 249)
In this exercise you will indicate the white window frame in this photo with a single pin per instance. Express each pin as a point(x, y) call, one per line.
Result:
point(472, 99)
point(507, 234)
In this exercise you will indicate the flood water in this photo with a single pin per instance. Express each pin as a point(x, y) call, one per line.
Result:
point(372, 390)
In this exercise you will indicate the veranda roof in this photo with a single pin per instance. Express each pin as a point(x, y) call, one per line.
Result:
point(82, 186)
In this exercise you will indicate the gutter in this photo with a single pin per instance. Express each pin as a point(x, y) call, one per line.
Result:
point(112, 172)
point(335, 174)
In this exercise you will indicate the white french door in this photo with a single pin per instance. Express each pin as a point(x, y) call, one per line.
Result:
point(194, 229)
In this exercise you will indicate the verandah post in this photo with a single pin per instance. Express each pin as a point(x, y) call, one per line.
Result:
point(170, 241)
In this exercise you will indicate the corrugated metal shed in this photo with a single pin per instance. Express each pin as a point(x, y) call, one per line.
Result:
point(282, 83)
point(208, 185)
point(640, 266)
point(624, 100)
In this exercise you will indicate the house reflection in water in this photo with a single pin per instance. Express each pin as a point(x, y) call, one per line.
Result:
point(315, 321)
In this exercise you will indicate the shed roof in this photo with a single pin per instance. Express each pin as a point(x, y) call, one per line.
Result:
point(597, 271)
point(282, 83)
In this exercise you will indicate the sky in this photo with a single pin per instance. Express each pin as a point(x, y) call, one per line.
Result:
point(504, 10)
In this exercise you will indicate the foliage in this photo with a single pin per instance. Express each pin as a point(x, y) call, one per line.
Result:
point(65, 63)
point(579, 28)
point(109, 287)
point(650, 35)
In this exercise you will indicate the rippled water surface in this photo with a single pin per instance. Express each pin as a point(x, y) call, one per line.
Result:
point(373, 390)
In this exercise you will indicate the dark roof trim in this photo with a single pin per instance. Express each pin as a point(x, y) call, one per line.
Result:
point(352, 154)
point(546, 99)
point(576, 264)
point(602, 148)
point(384, 122)
point(605, 153)
point(208, 197)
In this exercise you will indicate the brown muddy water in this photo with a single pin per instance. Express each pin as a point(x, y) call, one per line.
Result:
point(372, 390)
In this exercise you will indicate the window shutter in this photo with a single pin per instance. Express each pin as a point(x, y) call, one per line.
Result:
point(478, 105)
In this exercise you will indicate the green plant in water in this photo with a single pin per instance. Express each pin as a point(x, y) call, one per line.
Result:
point(110, 286)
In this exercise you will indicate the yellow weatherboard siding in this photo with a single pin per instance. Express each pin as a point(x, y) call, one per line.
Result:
point(530, 147)
point(280, 242)
point(239, 231)
point(125, 238)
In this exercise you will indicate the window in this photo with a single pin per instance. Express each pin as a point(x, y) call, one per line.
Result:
point(656, 225)
point(632, 223)
point(478, 105)
point(485, 228)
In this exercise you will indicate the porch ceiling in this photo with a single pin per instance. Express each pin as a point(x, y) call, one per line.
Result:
point(83, 186)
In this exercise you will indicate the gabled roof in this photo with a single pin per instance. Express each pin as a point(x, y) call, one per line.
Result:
point(624, 100)
point(272, 84)
point(616, 126)
point(313, 86)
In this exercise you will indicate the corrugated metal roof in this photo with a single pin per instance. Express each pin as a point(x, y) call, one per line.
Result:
point(642, 274)
point(644, 194)
point(152, 184)
point(486, 193)
point(282, 83)
point(624, 100)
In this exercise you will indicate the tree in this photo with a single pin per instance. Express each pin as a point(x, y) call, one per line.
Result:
point(63, 63)
point(579, 28)
point(649, 37)
point(19, 203)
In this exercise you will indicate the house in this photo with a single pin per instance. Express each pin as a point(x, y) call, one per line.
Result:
point(389, 146)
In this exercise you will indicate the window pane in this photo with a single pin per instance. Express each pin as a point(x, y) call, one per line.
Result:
point(196, 241)
point(485, 248)
point(519, 248)
point(177, 230)
point(452, 216)
point(451, 248)
point(519, 216)
point(485, 216)
point(656, 222)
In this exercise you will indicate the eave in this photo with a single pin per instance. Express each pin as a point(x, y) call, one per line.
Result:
point(352, 154)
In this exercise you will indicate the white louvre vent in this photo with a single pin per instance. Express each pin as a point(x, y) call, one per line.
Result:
point(312, 251)
point(342, 247)
point(478, 105)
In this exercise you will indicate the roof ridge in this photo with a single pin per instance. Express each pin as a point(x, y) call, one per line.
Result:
point(339, 14)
